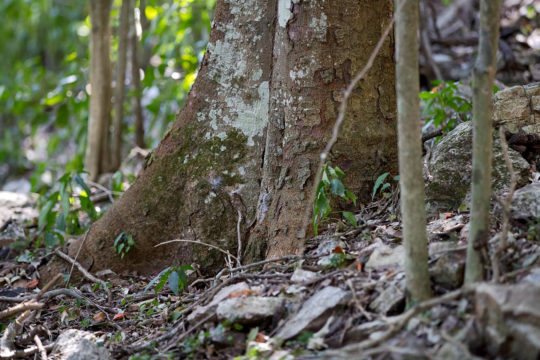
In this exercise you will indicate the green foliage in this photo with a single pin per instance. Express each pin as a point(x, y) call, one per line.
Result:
point(331, 185)
point(174, 275)
point(59, 211)
point(444, 106)
point(381, 185)
point(44, 83)
point(123, 243)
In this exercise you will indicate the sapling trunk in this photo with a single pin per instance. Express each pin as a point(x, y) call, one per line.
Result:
point(483, 78)
point(410, 152)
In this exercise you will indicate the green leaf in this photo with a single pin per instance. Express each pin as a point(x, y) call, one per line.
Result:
point(339, 172)
point(378, 183)
point(118, 238)
point(82, 184)
point(350, 196)
point(337, 187)
point(349, 216)
point(174, 282)
point(43, 214)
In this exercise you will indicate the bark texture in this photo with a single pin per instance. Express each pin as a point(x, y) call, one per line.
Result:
point(483, 78)
point(411, 179)
point(97, 148)
point(119, 91)
point(247, 140)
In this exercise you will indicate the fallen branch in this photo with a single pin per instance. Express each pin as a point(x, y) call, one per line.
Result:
point(19, 308)
point(40, 347)
point(255, 264)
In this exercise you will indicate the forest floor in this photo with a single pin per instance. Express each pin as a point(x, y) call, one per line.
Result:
point(347, 293)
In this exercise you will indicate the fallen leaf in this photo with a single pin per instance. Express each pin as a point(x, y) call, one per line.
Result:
point(261, 338)
point(99, 317)
point(448, 215)
point(120, 316)
point(338, 250)
point(358, 265)
point(32, 284)
point(242, 293)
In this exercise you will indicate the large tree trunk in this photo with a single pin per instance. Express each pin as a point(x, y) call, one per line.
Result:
point(247, 141)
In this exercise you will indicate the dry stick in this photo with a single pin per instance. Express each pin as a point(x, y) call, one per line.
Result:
point(19, 308)
point(85, 273)
point(26, 352)
point(77, 255)
point(239, 254)
point(506, 210)
point(10, 332)
point(341, 116)
point(40, 347)
point(255, 264)
point(200, 243)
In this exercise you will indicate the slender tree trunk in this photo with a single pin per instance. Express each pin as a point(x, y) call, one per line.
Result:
point(483, 78)
point(123, 34)
point(246, 143)
point(136, 82)
point(97, 149)
point(411, 180)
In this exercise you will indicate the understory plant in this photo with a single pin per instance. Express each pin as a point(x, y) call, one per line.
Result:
point(331, 185)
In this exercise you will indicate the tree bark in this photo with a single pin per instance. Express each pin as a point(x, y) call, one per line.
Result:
point(123, 33)
point(411, 179)
point(246, 143)
point(483, 78)
point(97, 148)
point(136, 82)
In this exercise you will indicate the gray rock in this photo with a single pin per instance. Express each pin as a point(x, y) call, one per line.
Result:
point(363, 331)
point(451, 166)
point(205, 311)
point(300, 275)
point(389, 299)
point(385, 257)
point(311, 313)
point(78, 345)
point(248, 310)
point(518, 108)
point(449, 270)
point(526, 202)
point(17, 206)
point(510, 318)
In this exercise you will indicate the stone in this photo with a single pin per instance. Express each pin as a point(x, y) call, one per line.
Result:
point(311, 314)
point(526, 202)
point(15, 206)
point(518, 108)
point(444, 227)
point(386, 257)
point(300, 275)
point(449, 270)
point(248, 310)
point(363, 331)
point(451, 167)
point(389, 299)
point(75, 344)
point(205, 311)
point(510, 318)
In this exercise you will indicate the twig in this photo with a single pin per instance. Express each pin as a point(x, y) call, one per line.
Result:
point(432, 135)
point(26, 352)
point(341, 116)
point(77, 255)
point(200, 243)
point(245, 267)
point(85, 273)
point(506, 210)
point(6, 224)
point(47, 286)
point(239, 254)
point(426, 163)
point(19, 308)
point(109, 193)
point(357, 302)
point(6, 342)
point(40, 347)
point(186, 333)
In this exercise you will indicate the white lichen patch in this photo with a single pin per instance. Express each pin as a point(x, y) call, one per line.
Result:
point(284, 12)
point(209, 198)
